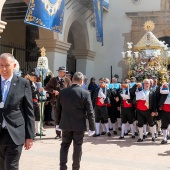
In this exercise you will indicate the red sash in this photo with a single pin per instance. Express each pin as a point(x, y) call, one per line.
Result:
point(98, 103)
point(108, 105)
point(35, 100)
point(166, 107)
point(141, 105)
point(126, 104)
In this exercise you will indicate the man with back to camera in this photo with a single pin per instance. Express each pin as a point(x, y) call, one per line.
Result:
point(73, 104)
point(54, 86)
point(16, 114)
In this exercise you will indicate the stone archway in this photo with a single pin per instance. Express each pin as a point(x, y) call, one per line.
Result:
point(19, 37)
point(76, 33)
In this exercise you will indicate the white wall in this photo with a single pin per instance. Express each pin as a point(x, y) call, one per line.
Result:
point(86, 67)
point(55, 60)
point(115, 24)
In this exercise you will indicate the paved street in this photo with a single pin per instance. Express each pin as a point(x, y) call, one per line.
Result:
point(102, 153)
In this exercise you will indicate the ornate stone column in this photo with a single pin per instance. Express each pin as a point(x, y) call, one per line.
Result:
point(2, 26)
point(85, 61)
point(2, 23)
point(56, 52)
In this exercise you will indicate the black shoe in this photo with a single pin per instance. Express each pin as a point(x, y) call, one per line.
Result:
point(109, 134)
point(103, 133)
point(57, 137)
point(133, 136)
point(96, 135)
point(156, 135)
point(140, 140)
point(110, 129)
point(119, 128)
point(115, 132)
point(126, 134)
point(136, 133)
point(159, 133)
point(168, 137)
point(149, 134)
point(38, 134)
point(164, 142)
point(144, 136)
point(121, 137)
point(153, 139)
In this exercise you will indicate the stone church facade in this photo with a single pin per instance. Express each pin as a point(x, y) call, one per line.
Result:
point(77, 48)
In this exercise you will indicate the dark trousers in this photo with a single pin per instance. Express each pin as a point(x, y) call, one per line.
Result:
point(144, 117)
point(101, 111)
point(165, 120)
point(113, 112)
point(67, 137)
point(127, 115)
point(9, 152)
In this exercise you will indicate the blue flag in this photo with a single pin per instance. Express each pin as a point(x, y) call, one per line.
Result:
point(106, 4)
point(98, 13)
point(46, 13)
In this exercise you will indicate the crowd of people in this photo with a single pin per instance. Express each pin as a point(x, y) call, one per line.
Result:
point(136, 107)
point(130, 107)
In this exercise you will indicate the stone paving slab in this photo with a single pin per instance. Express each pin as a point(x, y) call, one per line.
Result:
point(101, 153)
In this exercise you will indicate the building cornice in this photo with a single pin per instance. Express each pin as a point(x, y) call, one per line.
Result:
point(84, 54)
point(148, 14)
point(53, 45)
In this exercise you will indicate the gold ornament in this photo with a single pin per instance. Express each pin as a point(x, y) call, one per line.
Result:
point(52, 8)
point(43, 50)
point(149, 26)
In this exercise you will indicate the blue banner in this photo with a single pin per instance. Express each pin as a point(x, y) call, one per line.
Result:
point(106, 4)
point(98, 13)
point(48, 14)
point(114, 86)
point(132, 84)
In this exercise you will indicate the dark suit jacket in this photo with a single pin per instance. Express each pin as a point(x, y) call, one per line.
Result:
point(73, 104)
point(152, 98)
point(55, 84)
point(18, 111)
point(106, 101)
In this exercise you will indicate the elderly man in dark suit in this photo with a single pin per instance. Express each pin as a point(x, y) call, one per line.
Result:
point(73, 105)
point(16, 114)
point(55, 85)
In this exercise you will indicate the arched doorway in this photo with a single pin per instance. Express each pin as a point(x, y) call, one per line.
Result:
point(19, 38)
point(77, 36)
point(71, 61)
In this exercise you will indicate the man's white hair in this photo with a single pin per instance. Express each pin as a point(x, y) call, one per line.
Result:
point(16, 69)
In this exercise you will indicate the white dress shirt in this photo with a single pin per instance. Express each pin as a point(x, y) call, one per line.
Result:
point(8, 86)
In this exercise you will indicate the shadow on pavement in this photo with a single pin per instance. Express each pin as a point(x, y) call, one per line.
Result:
point(126, 142)
point(167, 153)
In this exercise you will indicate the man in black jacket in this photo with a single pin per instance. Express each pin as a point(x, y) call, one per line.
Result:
point(73, 104)
point(16, 114)
point(100, 102)
point(164, 106)
point(145, 100)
